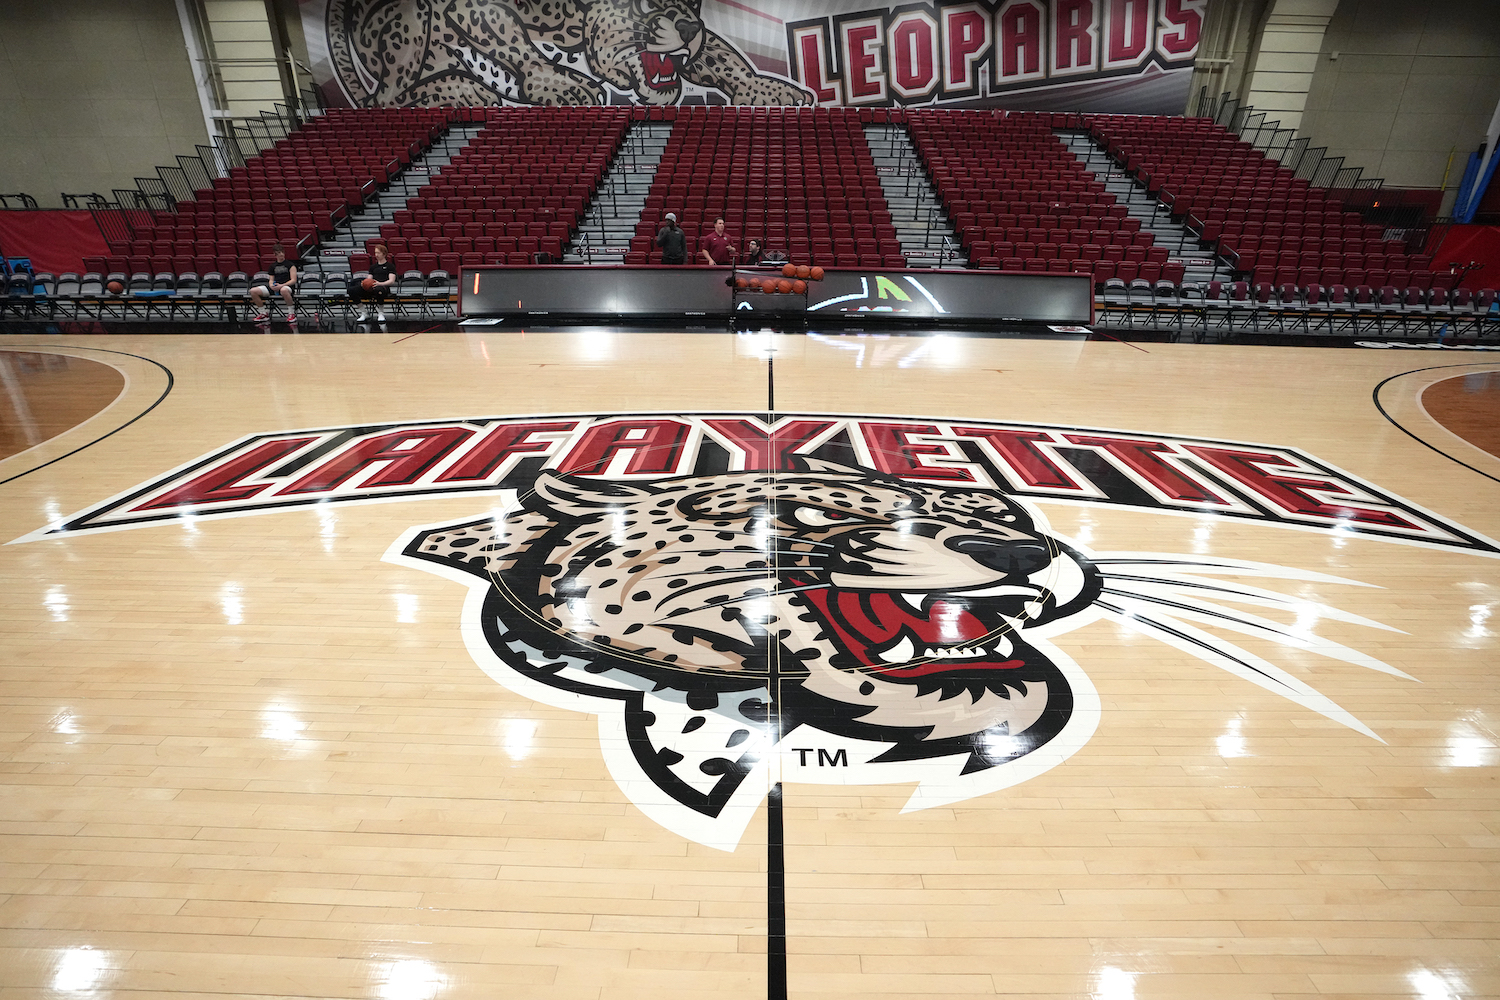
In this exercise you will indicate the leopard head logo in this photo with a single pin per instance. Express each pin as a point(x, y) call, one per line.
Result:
point(717, 622)
point(857, 604)
point(648, 61)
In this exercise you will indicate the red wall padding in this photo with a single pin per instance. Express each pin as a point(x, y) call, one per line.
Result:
point(56, 241)
point(1471, 243)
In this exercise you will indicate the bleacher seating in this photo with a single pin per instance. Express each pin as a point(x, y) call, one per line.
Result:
point(518, 189)
point(801, 180)
point(1020, 201)
point(289, 193)
point(1268, 223)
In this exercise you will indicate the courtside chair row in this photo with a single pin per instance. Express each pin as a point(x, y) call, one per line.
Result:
point(320, 297)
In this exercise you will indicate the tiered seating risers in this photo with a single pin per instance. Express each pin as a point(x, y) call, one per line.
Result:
point(800, 180)
point(288, 194)
point(1020, 201)
point(519, 188)
point(1265, 220)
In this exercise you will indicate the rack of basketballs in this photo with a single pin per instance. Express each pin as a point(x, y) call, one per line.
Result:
point(792, 280)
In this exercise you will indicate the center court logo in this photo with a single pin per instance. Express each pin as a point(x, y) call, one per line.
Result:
point(811, 598)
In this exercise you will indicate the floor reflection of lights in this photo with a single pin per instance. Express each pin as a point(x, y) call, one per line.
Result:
point(1114, 984)
point(409, 979)
point(79, 970)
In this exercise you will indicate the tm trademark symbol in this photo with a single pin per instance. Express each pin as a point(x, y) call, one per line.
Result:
point(839, 758)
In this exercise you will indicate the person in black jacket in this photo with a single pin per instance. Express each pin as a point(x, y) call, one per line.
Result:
point(673, 242)
point(384, 275)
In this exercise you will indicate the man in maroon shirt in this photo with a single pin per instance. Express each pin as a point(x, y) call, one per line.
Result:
point(715, 247)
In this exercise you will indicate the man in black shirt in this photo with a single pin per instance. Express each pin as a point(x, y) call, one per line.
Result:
point(283, 277)
point(673, 242)
point(384, 276)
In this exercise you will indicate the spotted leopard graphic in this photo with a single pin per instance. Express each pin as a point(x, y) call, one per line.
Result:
point(482, 52)
point(885, 610)
point(722, 626)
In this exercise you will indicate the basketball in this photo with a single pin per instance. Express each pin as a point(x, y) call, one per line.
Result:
point(789, 270)
point(783, 285)
point(803, 271)
point(115, 287)
point(768, 286)
point(367, 284)
point(815, 273)
point(741, 282)
point(799, 286)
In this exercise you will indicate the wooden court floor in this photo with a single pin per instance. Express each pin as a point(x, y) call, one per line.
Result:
point(262, 750)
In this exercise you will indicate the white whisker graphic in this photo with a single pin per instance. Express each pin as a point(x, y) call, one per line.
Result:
point(1159, 596)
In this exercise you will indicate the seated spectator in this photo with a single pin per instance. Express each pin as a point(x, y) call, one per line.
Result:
point(384, 275)
point(283, 277)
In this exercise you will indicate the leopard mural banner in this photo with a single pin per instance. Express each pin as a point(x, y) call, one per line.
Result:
point(741, 599)
point(1124, 56)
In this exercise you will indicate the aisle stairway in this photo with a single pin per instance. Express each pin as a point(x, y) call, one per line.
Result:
point(604, 234)
point(1201, 265)
point(926, 234)
point(364, 223)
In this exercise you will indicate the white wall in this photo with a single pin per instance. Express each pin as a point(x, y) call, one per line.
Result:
point(96, 94)
point(1412, 79)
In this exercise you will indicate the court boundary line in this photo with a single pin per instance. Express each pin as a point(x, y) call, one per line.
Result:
point(171, 382)
point(1375, 398)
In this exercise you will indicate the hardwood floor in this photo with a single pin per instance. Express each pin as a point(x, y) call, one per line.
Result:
point(279, 740)
point(48, 394)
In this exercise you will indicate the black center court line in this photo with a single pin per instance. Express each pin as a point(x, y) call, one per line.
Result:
point(775, 829)
point(171, 381)
point(1375, 397)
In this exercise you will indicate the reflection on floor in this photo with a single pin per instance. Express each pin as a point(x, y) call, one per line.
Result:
point(43, 395)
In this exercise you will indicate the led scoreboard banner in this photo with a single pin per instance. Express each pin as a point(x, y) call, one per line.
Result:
point(854, 295)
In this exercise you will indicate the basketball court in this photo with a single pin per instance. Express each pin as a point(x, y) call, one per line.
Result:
point(288, 748)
